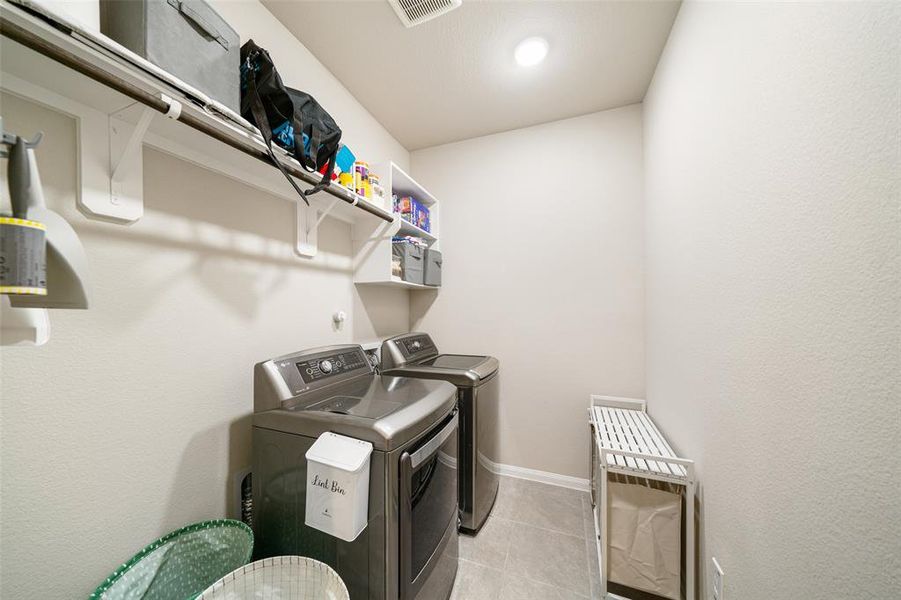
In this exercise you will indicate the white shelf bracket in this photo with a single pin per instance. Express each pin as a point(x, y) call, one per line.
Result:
point(309, 218)
point(131, 153)
point(126, 172)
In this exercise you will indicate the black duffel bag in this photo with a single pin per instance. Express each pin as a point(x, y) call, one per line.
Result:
point(290, 118)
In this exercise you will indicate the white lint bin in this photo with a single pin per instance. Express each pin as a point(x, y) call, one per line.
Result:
point(338, 485)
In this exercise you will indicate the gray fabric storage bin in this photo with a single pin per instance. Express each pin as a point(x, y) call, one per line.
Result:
point(432, 269)
point(411, 261)
point(184, 37)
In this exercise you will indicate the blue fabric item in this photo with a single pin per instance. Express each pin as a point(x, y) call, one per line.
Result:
point(306, 145)
point(344, 160)
point(284, 135)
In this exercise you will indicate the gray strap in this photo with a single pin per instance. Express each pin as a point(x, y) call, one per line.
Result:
point(195, 17)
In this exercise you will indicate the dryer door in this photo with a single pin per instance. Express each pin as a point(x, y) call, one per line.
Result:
point(429, 515)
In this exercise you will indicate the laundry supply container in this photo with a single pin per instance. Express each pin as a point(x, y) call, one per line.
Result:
point(338, 485)
point(187, 38)
point(411, 258)
point(431, 274)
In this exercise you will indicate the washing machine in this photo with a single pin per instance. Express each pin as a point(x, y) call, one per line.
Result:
point(409, 548)
point(477, 382)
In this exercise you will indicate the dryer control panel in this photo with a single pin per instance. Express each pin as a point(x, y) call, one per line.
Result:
point(416, 344)
point(407, 349)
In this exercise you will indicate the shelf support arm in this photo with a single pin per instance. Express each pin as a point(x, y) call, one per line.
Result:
point(132, 149)
point(324, 214)
point(135, 140)
point(126, 151)
point(308, 220)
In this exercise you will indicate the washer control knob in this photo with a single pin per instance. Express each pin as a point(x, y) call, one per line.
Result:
point(325, 366)
point(417, 345)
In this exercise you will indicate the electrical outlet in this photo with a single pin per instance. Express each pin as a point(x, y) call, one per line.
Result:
point(717, 581)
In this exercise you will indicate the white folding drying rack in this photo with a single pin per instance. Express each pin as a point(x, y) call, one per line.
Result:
point(629, 443)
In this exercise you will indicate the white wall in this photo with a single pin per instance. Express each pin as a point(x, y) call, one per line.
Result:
point(131, 420)
point(381, 312)
point(773, 158)
point(542, 234)
point(85, 12)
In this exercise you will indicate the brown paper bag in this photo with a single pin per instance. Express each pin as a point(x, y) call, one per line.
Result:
point(645, 539)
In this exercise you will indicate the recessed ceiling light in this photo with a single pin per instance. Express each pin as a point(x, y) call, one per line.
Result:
point(530, 51)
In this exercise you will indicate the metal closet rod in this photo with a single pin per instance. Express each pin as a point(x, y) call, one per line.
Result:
point(39, 44)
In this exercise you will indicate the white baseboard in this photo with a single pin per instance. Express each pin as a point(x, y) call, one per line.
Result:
point(567, 481)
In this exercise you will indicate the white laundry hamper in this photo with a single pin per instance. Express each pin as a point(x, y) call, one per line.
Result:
point(279, 578)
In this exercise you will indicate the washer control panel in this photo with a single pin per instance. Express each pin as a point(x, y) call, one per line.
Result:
point(416, 344)
point(281, 382)
point(331, 365)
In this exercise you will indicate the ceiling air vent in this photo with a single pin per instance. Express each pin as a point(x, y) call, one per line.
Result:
point(416, 12)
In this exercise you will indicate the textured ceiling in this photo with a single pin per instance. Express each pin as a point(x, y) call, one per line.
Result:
point(454, 78)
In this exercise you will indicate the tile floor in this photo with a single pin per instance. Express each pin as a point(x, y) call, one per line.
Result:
point(538, 544)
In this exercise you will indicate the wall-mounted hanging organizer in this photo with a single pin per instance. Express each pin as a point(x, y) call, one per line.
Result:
point(43, 262)
point(23, 326)
point(121, 102)
point(65, 262)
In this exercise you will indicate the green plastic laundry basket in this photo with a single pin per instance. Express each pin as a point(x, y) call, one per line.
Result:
point(181, 564)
